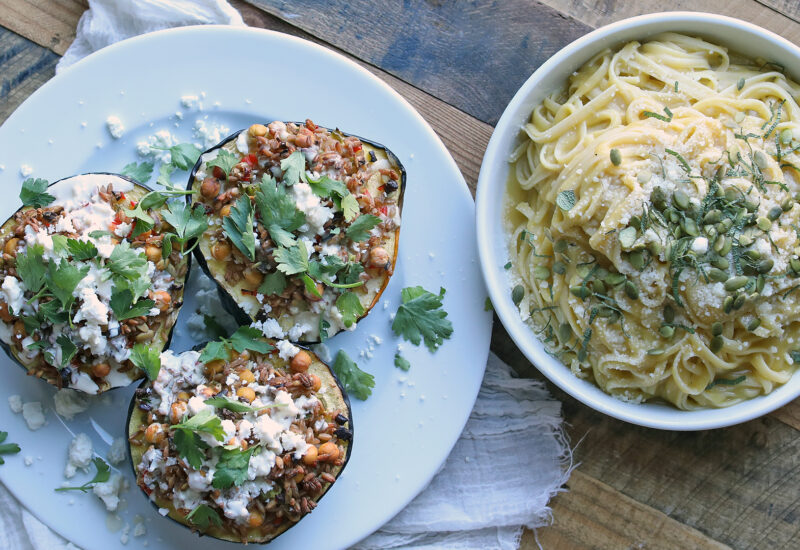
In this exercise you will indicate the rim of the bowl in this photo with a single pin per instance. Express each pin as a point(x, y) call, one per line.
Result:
point(652, 415)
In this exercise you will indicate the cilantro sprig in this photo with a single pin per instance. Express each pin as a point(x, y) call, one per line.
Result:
point(189, 223)
point(187, 438)
point(294, 168)
point(356, 382)
point(183, 155)
point(277, 211)
point(225, 161)
point(422, 317)
point(146, 358)
point(141, 171)
point(231, 470)
point(233, 405)
point(103, 473)
point(361, 226)
point(245, 338)
point(34, 193)
point(202, 516)
point(239, 227)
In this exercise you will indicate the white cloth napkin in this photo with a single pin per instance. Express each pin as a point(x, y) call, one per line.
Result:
point(512, 456)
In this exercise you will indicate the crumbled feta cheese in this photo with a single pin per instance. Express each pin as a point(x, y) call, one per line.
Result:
point(69, 402)
point(191, 101)
point(209, 133)
point(118, 451)
point(79, 456)
point(308, 202)
point(92, 310)
point(286, 350)
point(109, 491)
point(115, 126)
point(28, 461)
point(25, 170)
point(297, 331)
point(33, 415)
point(13, 291)
point(162, 139)
point(241, 143)
point(269, 327)
point(15, 403)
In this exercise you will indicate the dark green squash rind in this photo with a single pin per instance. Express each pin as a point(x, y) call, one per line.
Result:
point(132, 427)
point(167, 341)
point(229, 303)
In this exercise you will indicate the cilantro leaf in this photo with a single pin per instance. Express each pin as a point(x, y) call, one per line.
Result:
point(123, 307)
point(34, 193)
point(31, 325)
point(311, 286)
point(360, 228)
point(325, 187)
point(7, 448)
point(164, 174)
point(141, 171)
point(146, 358)
point(350, 307)
point(356, 382)
point(294, 168)
point(350, 207)
point(214, 351)
point(101, 476)
point(60, 244)
point(222, 402)
point(292, 260)
point(189, 223)
point(278, 211)
point(202, 516)
point(249, 338)
point(190, 446)
point(30, 268)
point(62, 279)
point(127, 262)
point(68, 350)
point(231, 470)
point(154, 199)
point(53, 312)
point(81, 250)
point(225, 160)
point(239, 227)
point(204, 421)
point(421, 317)
point(98, 234)
point(184, 155)
point(273, 283)
point(324, 325)
point(401, 362)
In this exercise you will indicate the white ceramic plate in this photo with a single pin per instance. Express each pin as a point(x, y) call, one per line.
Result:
point(492, 240)
point(406, 429)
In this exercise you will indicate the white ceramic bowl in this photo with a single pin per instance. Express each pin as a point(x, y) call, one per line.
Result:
point(492, 243)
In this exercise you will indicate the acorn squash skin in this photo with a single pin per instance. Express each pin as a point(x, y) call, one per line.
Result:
point(11, 353)
point(230, 303)
point(137, 419)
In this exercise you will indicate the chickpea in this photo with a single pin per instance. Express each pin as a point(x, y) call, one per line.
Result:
point(214, 367)
point(11, 246)
point(253, 276)
point(161, 298)
point(328, 451)
point(255, 519)
point(153, 253)
point(19, 330)
point(300, 362)
point(244, 445)
point(5, 315)
point(244, 356)
point(101, 370)
point(317, 382)
point(221, 250)
point(177, 410)
point(257, 130)
point(378, 257)
point(246, 393)
point(225, 211)
point(310, 458)
point(247, 375)
point(154, 433)
point(210, 188)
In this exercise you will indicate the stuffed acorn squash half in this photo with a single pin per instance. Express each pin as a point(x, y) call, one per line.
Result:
point(85, 279)
point(303, 226)
point(242, 440)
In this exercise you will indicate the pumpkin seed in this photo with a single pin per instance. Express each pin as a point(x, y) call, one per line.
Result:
point(774, 213)
point(541, 272)
point(725, 225)
point(761, 160)
point(754, 324)
point(656, 351)
point(559, 267)
point(560, 246)
point(669, 313)
point(680, 199)
point(745, 240)
point(654, 247)
point(717, 275)
point(631, 290)
point(760, 282)
point(716, 328)
point(627, 237)
point(690, 227)
point(598, 286)
point(720, 263)
point(517, 294)
point(763, 223)
point(636, 259)
point(712, 216)
point(786, 136)
point(580, 291)
point(794, 263)
point(765, 265)
point(659, 199)
point(667, 331)
point(787, 204)
point(583, 271)
point(739, 301)
point(616, 157)
point(727, 304)
point(614, 279)
point(732, 193)
point(716, 344)
point(565, 332)
point(735, 283)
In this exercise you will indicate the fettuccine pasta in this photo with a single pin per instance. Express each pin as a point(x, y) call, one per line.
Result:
point(653, 225)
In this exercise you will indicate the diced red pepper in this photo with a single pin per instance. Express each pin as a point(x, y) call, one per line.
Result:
point(357, 147)
point(122, 196)
point(384, 210)
point(251, 159)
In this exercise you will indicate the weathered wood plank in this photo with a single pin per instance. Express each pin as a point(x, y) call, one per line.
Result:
point(471, 54)
point(778, 20)
point(49, 23)
point(24, 67)
point(593, 515)
point(736, 485)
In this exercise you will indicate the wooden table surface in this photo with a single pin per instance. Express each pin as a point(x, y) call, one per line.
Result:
point(459, 63)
